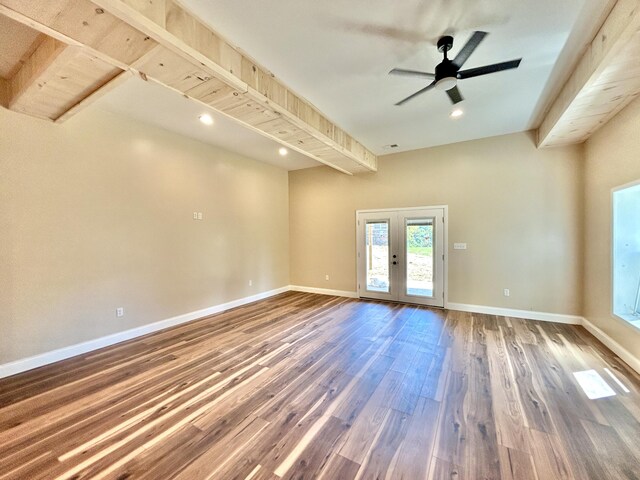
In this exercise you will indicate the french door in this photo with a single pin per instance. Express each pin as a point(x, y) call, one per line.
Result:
point(401, 255)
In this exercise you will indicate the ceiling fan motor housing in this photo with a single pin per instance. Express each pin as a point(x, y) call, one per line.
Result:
point(446, 71)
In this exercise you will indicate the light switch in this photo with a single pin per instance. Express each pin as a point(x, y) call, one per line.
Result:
point(199, 215)
point(459, 246)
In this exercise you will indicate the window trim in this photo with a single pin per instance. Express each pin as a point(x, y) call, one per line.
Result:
point(631, 184)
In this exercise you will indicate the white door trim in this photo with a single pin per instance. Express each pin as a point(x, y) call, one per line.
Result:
point(445, 243)
point(374, 210)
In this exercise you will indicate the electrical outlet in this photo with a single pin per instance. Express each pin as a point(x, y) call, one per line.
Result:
point(195, 215)
point(506, 292)
point(119, 312)
point(250, 283)
point(326, 277)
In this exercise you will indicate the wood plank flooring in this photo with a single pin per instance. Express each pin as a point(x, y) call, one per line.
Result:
point(303, 386)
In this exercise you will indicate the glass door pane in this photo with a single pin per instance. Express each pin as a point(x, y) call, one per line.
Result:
point(419, 257)
point(377, 256)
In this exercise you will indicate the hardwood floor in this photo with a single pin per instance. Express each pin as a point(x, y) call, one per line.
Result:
point(304, 386)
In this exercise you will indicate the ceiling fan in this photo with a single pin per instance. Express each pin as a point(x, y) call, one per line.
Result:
point(448, 71)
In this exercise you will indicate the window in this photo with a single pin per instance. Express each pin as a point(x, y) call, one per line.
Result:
point(626, 253)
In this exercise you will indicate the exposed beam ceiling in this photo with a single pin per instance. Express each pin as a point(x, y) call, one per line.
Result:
point(161, 41)
point(606, 78)
point(44, 77)
point(57, 78)
point(73, 52)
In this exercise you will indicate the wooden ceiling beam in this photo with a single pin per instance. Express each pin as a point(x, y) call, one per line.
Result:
point(31, 76)
point(60, 76)
point(83, 24)
point(161, 41)
point(71, 83)
point(605, 79)
point(182, 33)
point(57, 80)
point(30, 15)
point(158, 38)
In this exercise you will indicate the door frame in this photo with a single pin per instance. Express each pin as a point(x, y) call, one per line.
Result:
point(445, 245)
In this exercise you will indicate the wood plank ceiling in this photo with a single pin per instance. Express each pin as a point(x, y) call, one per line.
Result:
point(85, 46)
point(46, 78)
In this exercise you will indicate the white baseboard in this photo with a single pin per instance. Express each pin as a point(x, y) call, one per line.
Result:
point(508, 312)
point(324, 291)
point(463, 307)
point(35, 361)
point(612, 345)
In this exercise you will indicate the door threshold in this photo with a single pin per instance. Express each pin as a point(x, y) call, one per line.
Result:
point(403, 302)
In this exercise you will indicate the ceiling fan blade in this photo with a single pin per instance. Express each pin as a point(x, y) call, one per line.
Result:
point(496, 67)
point(411, 73)
point(425, 89)
point(454, 95)
point(468, 49)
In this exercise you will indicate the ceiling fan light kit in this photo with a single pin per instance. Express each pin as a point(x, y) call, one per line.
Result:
point(446, 83)
point(448, 71)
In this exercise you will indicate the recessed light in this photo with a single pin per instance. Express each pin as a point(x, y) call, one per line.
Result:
point(283, 151)
point(206, 119)
point(456, 113)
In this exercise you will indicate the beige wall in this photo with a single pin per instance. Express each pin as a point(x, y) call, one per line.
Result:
point(97, 213)
point(612, 158)
point(518, 208)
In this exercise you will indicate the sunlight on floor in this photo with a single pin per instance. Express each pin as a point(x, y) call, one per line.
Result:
point(593, 384)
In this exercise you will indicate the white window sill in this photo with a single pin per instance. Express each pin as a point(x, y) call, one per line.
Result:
point(631, 319)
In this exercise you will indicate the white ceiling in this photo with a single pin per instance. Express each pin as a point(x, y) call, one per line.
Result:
point(157, 105)
point(337, 55)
